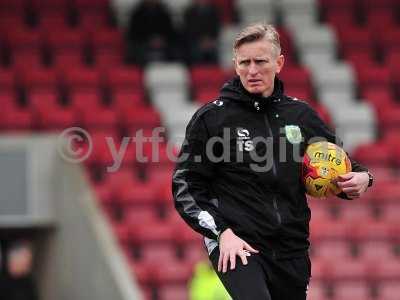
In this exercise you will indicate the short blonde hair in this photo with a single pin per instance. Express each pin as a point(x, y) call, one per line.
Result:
point(255, 32)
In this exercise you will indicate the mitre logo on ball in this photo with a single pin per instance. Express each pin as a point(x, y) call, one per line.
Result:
point(323, 162)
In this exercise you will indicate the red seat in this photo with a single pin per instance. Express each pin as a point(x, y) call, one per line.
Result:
point(23, 38)
point(140, 194)
point(139, 118)
point(124, 77)
point(354, 39)
point(352, 291)
point(107, 59)
point(389, 117)
point(389, 290)
point(296, 77)
point(8, 101)
point(370, 76)
point(380, 20)
point(81, 78)
point(316, 291)
point(143, 272)
point(85, 100)
point(207, 76)
point(194, 253)
point(99, 118)
point(137, 215)
point(390, 212)
point(26, 60)
point(172, 272)
point(375, 154)
point(16, 119)
point(332, 250)
point(90, 21)
point(56, 118)
point(69, 59)
point(176, 292)
point(369, 6)
point(347, 270)
point(157, 233)
point(7, 79)
point(390, 41)
point(379, 97)
point(373, 230)
point(376, 251)
point(338, 5)
point(50, 5)
point(353, 211)
point(320, 210)
point(388, 270)
point(158, 253)
point(65, 38)
point(43, 99)
point(123, 99)
point(88, 5)
point(107, 39)
point(100, 154)
point(330, 230)
point(41, 78)
point(386, 191)
point(340, 18)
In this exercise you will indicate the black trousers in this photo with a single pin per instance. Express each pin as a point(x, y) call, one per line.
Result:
point(266, 278)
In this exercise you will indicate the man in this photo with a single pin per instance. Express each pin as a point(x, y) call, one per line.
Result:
point(252, 204)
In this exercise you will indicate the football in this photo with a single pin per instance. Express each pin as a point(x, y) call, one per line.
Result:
point(323, 162)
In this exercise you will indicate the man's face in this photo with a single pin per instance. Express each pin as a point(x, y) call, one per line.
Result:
point(257, 63)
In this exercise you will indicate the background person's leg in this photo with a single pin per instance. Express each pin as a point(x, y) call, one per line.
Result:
point(245, 282)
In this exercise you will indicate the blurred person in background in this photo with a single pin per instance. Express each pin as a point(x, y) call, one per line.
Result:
point(201, 28)
point(151, 35)
point(16, 273)
point(248, 202)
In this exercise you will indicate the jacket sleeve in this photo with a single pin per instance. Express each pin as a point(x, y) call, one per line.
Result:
point(191, 183)
point(318, 130)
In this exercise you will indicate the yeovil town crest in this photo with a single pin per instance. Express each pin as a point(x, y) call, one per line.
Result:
point(293, 134)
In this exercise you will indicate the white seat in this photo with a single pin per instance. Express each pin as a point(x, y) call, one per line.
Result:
point(166, 76)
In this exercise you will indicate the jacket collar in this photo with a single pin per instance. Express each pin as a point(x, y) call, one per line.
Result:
point(234, 90)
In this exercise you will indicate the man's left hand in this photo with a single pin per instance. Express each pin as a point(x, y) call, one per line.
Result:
point(354, 184)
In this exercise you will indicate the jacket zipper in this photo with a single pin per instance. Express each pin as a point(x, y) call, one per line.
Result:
point(274, 171)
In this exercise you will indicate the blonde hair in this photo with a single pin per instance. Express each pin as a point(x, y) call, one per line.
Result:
point(255, 32)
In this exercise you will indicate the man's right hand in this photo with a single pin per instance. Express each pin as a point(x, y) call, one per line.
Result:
point(231, 245)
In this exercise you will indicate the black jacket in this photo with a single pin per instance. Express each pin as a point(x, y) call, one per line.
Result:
point(266, 207)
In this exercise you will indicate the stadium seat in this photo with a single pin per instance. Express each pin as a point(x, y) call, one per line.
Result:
point(389, 291)
point(16, 119)
point(40, 78)
point(56, 118)
point(85, 100)
point(388, 270)
point(7, 79)
point(376, 251)
point(137, 215)
point(352, 291)
point(135, 118)
point(107, 39)
point(99, 118)
point(347, 270)
point(158, 253)
point(124, 77)
point(125, 99)
point(316, 291)
point(140, 194)
point(176, 292)
point(172, 272)
point(67, 59)
point(81, 78)
point(156, 233)
point(332, 250)
point(376, 154)
point(354, 211)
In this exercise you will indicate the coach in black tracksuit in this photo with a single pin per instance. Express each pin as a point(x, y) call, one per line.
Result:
point(238, 181)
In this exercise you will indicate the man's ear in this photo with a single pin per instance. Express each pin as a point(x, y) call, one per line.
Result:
point(280, 62)
point(234, 65)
